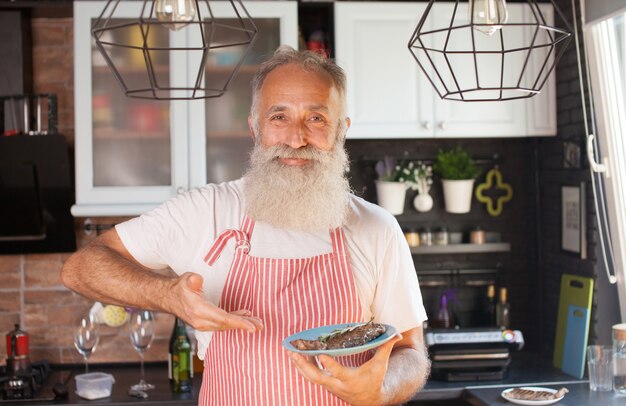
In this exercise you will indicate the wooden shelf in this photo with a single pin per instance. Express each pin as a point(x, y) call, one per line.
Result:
point(463, 248)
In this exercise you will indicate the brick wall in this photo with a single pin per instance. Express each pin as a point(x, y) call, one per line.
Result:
point(31, 292)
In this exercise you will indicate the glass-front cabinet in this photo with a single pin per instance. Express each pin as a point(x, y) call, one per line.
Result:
point(133, 154)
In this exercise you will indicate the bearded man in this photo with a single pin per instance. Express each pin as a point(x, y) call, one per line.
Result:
point(284, 249)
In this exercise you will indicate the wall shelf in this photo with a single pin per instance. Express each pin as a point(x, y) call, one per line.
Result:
point(462, 248)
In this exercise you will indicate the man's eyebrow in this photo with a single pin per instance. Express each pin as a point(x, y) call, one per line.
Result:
point(319, 107)
point(278, 108)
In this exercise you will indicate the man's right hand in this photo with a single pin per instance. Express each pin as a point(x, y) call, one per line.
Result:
point(189, 304)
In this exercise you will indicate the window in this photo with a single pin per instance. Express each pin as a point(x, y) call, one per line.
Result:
point(606, 53)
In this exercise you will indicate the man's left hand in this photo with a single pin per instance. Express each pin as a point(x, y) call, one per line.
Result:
point(357, 386)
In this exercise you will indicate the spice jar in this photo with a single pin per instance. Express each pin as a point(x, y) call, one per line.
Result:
point(477, 236)
point(440, 236)
point(426, 237)
point(412, 238)
point(619, 358)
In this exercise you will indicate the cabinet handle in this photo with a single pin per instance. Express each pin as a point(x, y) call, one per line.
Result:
point(426, 125)
point(443, 126)
point(181, 190)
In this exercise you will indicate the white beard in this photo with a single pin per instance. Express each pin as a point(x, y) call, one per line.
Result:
point(311, 197)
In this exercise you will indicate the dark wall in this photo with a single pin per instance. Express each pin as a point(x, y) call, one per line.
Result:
point(515, 270)
point(553, 174)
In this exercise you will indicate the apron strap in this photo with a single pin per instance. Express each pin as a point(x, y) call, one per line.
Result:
point(247, 225)
point(241, 239)
point(338, 242)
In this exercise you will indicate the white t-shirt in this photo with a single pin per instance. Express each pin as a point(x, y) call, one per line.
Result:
point(181, 231)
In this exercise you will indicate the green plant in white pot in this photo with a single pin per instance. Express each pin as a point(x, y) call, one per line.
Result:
point(457, 171)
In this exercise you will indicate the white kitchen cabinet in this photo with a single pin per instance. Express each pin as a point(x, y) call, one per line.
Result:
point(390, 97)
point(387, 95)
point(133, 154)
point(541, 109)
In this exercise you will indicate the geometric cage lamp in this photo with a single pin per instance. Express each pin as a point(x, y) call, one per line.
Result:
point(486, 50)
point(140, 50)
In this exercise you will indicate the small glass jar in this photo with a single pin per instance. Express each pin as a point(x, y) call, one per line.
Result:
point(426, 237)
point(619, 358)
point(477, 236)
point(412, 238)
point(441, 236)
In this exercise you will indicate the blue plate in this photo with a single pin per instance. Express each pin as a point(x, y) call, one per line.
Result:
point(314, 333)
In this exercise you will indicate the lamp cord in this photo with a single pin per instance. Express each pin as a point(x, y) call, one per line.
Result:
point(594, 168)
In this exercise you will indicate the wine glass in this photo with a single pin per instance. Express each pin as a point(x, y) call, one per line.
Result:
point(86, 338)
point(141, 332)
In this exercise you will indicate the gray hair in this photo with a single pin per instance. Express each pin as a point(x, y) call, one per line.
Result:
point(308, 61)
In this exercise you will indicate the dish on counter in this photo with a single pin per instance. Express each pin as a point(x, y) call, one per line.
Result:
point(315, 333)
point(525, 394)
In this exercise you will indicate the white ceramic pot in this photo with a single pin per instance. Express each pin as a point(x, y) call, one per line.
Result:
point(423, 202)
point(458, 195)
point(391, 196)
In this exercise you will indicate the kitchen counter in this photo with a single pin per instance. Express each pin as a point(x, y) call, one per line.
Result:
point(526, 370)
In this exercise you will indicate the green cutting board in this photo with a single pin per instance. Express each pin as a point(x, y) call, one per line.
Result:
point(575, 291)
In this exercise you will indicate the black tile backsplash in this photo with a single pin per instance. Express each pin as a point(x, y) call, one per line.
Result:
point(515, 269)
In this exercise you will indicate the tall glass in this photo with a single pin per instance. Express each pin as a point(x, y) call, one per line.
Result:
point(86, 338)
point(141, 333)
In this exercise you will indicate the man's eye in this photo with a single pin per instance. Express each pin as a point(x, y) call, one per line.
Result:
point(316, 118)
point(277, 118)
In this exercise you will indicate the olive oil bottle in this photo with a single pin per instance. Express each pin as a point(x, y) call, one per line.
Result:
point(503, 311)
point(179, 362)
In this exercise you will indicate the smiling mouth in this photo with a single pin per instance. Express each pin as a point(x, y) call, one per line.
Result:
point(294, 161)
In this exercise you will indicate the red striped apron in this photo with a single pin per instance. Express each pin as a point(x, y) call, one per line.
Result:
point(289, 295)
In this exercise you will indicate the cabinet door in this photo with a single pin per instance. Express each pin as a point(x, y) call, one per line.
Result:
point(541, 117)
point(455, 119)
point(388, 96)
point(130, 153)
point(220, 141)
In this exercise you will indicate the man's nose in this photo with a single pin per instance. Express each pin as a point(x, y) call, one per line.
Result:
point(297, 136)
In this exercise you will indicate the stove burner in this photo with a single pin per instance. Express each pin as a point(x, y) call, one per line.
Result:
point(24, 387)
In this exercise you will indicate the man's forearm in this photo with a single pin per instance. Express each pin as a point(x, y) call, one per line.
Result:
point(100, 273)
point(407, 373)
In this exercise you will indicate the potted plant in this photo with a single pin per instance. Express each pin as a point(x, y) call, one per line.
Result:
point(457, 171)
point(424, 179)
point(393, 181)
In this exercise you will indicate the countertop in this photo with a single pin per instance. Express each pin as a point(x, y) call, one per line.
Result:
point(525, 370)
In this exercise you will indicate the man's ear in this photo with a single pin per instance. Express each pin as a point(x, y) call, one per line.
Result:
point(251, 128)
point(348, 122)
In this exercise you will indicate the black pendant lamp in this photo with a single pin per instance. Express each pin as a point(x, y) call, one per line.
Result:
point(142, 50)
point(481, 50)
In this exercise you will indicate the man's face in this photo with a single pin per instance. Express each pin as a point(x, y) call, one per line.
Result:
point(298, 108)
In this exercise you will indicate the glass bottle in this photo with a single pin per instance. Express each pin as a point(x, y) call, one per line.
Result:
point(179, 362)
point(619, 358)
point(503, 309)
point(489, 309)
point(443, 318)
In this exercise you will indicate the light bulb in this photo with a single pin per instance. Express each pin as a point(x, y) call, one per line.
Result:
point(177, 13)
point(491, 12)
